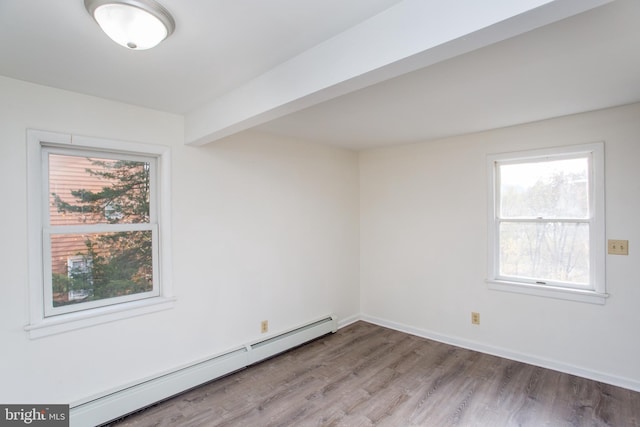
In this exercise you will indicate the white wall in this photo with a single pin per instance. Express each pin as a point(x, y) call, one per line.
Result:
point(262, 229)
point(424, 248)
point(266, 228)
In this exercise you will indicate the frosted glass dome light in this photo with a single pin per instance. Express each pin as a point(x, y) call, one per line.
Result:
point(134, 24)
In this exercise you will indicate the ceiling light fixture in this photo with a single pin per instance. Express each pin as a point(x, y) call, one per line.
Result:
point(134, 24)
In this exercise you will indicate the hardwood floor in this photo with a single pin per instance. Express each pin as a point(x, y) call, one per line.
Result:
point(366, 375)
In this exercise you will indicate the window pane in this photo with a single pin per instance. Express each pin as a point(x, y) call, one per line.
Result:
point(90, 267)
point(97, 191)
point(545, 251)
point(552, 189)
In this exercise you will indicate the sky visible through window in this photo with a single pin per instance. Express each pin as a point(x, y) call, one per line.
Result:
point(527, 174)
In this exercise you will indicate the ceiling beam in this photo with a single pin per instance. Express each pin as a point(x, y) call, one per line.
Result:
point(411, 35)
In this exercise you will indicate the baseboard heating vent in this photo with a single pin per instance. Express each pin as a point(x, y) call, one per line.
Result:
point(135, 397)
point(116, 404)
point(270, 347)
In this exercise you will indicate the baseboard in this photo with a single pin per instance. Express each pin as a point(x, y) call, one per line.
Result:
point(348, 320)
point(116, 403)
point(507, 354)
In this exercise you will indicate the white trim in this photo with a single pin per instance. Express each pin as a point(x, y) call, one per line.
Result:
point(41, 322)
point(555, 365)
point(83, 319)
point(348, 321)
point(569, 294)
point(595, 291)
point(163, 212)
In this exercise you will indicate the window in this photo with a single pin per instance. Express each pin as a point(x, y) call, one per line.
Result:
point(546, 222)
point(79, 271)
point(98, 242)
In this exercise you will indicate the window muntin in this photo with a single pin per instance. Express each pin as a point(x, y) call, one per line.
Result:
point(546, 220)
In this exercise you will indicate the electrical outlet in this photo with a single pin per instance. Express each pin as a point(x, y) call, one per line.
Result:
point(264, 326)
point(618, 247)
point(475, 318)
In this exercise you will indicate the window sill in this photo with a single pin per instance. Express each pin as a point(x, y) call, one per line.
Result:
point(569, 294)
point(82, 319)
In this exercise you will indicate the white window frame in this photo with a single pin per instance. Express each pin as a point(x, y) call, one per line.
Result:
point(595, 291)
point(43, 318)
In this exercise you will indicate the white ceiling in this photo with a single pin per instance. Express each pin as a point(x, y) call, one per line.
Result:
point(585, 62)
point(217, 45)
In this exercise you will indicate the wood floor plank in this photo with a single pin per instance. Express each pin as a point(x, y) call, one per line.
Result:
point(367, 375)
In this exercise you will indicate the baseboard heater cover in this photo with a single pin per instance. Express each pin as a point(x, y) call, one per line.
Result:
point(262, 350)
point(113, 405)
